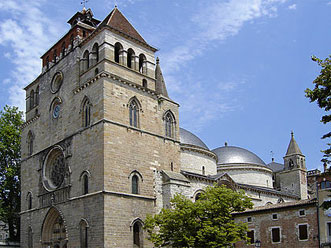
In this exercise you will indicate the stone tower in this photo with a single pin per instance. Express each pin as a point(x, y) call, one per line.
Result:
point(294, 177)
point(99, 129)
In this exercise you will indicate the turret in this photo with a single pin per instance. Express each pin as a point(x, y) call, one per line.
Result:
point(293, 179)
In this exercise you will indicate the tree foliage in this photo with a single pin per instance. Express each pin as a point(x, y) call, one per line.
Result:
point(322, 95)
point(10, 157)
point(207, 222)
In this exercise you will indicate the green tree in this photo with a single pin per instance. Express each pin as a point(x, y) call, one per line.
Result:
point(10, 157)
point(206, 223)
point(322, 95)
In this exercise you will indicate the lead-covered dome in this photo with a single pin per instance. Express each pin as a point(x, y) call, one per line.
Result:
point(189, 138)
point(236, 155)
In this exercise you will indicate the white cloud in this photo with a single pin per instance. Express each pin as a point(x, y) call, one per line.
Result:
point(26, 34)
point(213, 24)
point(292, 7)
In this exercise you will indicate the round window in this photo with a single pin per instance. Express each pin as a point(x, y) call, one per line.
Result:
point(56, 110)
point(56, 82)
point(54, 169)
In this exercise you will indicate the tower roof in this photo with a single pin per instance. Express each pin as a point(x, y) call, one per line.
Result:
point(293, 147)
point(117, 21)
point(160, 84)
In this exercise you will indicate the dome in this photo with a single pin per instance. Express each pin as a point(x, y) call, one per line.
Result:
point(189, 138)
point(236, 155)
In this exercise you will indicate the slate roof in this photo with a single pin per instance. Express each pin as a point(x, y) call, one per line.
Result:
point(117, 21)
point(275, 167)
point(160, 86)
point(268, 190)
point(293, 147)
point(236, 155)
point(186, 137)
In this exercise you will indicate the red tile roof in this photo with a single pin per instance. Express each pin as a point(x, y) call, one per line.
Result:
point(117, 21)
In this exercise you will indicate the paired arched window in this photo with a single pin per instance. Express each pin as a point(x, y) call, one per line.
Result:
point(29, 200)
point(86, 62)
point(85, 180)
point(142, 63)
point(135, 184)
point(118, 50)
point(137, 234)
point(134, 112)
point(30, 238)
point(32, 102)
point(85, 184)
point(86, 113)
point(95, 54)
point(169, 122)
point(130, 58)
point(30, 143)
point(83, 226)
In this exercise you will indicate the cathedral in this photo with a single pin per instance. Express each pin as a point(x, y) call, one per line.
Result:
point(102, 146)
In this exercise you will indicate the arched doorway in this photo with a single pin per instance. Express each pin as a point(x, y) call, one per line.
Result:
point(54, 231)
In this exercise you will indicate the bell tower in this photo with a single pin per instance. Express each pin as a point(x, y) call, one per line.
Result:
point(294, 177)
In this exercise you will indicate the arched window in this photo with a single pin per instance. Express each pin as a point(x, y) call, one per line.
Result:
point(291, 164)
point(169, 122)
point(172, 166)
point(134, 113)
point(29, 200)
point(85, 184)
point(135, 184)
point(203, 170)
point(118, 50)
point(86, 62)
point(197, 196)
point(137, 234)
point(144, 83)
point(30, 238)
point(63, 49)
point(37, 95)
point(130, 58)
point(32, 99)
point(54, 56)
point(30, 143)
point(83, 226)
point(95, 54)
point(86, 113)
point(142, 63)
point(72, 41)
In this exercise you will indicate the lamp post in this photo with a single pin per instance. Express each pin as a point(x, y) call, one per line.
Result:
point(257, 243)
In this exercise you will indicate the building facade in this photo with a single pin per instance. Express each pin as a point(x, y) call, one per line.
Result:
point(102, 147)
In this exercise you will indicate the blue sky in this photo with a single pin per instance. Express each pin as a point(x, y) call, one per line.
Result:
point(238, 68)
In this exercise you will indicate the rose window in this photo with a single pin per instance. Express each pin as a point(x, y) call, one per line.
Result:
point(54, 169)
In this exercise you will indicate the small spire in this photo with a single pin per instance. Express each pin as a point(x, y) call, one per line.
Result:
point(160, 84)
point(293, 147)
point(115, 6)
